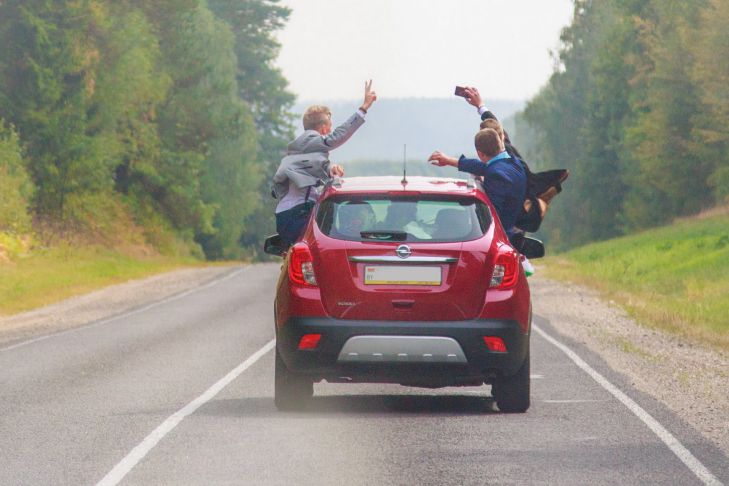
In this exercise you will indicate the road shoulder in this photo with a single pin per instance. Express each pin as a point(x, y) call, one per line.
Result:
point(689, 379)
point(103, 303)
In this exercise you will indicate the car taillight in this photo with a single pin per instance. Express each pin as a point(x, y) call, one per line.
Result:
point(506, 270)
point(301, 265)
point(495, 343)
point(309, 341)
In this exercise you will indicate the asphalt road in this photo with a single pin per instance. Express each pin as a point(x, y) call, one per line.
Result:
point(182, 393)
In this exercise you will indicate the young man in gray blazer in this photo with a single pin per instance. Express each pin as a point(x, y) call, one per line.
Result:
point(307, 164)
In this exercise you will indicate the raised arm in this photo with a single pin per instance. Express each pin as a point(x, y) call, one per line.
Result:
point(463, 164)
point(473, 98)
point(472, 166)
point(344, 131)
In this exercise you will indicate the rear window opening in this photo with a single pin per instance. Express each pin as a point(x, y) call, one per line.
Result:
point(387, 218)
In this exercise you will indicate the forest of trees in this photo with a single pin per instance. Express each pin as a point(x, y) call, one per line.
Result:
point(168, 115)
point(638, 110)
point(168, 118)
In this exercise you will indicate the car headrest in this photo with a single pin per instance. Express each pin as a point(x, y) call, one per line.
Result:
point(452, 223)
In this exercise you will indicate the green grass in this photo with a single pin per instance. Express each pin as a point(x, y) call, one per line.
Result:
point(46, 276)
point(674, 278)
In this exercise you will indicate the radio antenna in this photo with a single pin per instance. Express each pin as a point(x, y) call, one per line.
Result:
point(404, 164)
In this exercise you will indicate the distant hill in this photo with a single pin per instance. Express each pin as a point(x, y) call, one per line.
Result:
point(424, 124)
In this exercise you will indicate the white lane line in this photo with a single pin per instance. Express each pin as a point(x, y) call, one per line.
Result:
point(126, 314)
point(672, 442)
point(137, 454)
point(575, 401)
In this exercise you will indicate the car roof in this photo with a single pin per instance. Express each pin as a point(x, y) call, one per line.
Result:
point(420, 184)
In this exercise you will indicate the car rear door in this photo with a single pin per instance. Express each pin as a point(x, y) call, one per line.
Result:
point(403, 280)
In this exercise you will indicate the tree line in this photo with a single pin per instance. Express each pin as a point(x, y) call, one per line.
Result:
point(169, 114)
point(638, 109)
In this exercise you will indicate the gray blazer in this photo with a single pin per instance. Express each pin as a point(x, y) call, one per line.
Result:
point(307, 161)
point(301, 169)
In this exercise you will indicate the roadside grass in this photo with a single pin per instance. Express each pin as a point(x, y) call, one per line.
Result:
point(674, 278)
point(45, 276)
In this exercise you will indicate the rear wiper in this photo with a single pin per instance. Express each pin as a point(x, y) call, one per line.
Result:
point(385, 235)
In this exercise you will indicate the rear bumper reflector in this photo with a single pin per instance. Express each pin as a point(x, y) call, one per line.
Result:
point(495, 343)
point(309, 341)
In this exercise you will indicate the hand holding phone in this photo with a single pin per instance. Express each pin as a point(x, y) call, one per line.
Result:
point(470, 94)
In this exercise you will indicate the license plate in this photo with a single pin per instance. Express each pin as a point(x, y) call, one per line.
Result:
point(401, 275)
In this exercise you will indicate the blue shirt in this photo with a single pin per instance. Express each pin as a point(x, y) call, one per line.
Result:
point(504, 183)
point(500, 156)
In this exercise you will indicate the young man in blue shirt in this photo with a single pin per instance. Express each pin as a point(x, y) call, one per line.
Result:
point(504, 177)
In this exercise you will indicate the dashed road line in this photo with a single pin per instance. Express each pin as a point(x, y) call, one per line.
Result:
point(574, 401)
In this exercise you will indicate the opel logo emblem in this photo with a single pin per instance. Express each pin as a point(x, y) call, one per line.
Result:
point(403, 251)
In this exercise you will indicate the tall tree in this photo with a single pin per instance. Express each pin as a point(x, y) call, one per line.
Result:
point(205, 116)
point(158, 108)
point(262, 85)
point(16, 188)
point(669, 178)
point(572, 117)
point(47, 71)
point(711, 72)
point(635, 109)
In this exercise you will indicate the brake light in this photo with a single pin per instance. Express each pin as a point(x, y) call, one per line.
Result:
point(506, 270)
point(301, 265)
point(495, 343)
point(309, 341)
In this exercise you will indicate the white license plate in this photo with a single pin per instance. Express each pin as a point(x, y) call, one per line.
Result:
point(401, 275)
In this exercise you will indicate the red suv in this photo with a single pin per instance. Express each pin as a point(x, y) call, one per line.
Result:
point(412, 282)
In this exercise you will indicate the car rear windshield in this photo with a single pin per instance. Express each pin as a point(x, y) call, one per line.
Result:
point(386, 218)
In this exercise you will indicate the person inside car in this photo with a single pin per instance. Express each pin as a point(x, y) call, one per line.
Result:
point(355, 217)
point(451, 223)
point(401, 216)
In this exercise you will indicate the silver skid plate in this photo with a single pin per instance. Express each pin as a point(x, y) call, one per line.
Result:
point(402, 349)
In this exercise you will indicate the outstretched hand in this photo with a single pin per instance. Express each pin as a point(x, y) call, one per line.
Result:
point(473, 97)
point(369, 96)
point(441, 160)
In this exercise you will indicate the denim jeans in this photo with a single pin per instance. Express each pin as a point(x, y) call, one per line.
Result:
point(291, 223)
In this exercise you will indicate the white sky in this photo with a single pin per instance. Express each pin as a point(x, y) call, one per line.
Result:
point(420, 48)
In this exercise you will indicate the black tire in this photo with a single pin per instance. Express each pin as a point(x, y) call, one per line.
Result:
point(512, 392)
point(291, 392)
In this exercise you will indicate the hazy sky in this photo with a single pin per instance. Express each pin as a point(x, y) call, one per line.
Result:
point(420, 48)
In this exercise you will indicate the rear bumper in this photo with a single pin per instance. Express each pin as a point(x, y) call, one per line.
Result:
point(329, 362)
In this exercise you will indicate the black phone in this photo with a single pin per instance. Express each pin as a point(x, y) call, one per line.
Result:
point(460, 91)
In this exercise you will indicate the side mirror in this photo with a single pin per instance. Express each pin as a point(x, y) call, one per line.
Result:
point(532, 248)
point(274, 246)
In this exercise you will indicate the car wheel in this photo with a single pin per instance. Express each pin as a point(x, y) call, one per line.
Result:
point(512, 392)
point(291, 391)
